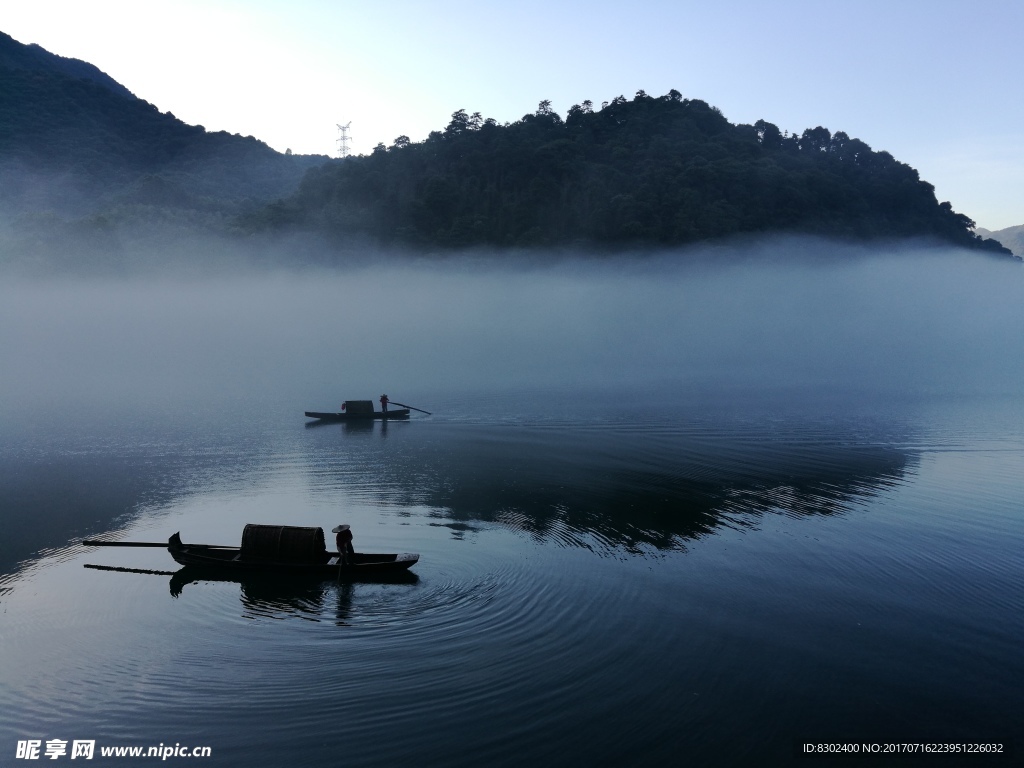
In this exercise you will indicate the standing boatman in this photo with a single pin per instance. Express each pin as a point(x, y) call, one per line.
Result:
point(384, 403)
point(344, 541)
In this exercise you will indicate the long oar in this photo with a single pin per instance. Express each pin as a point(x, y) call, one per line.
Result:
point(403, 405)
point(129, 570)
point(97, 543)
point(162, 544)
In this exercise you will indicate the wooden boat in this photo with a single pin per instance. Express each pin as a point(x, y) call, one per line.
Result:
point(326, 564)
point(362, 410)
point(400, 413)
point(276, 550)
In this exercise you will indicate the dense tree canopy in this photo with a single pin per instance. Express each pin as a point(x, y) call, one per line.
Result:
point(647, 171)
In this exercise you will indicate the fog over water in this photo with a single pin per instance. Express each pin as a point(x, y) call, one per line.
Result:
point(915, 321)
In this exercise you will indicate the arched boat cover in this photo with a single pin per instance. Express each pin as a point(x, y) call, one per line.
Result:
point(359, 407)
point(283, 543)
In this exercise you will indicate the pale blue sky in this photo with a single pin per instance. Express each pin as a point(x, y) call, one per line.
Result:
point(935, 82)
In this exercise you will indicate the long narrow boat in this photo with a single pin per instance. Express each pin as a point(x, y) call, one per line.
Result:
point(401, 413)
point(326, 565)
point(276, 550)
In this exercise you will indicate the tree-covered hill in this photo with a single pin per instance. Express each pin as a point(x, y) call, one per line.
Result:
point(14, 55)
point(75, 142)
point(87, 166)
point(652, 171)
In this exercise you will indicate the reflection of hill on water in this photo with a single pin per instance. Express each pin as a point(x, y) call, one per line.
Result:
point(70, 496)
point(631, 489)
point(79, 494)
point(657, 485)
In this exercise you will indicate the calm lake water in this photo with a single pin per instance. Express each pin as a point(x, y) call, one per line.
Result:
point(664, 516)
point(716, 579)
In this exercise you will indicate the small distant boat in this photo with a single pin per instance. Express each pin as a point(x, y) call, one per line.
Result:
point(360, 410)
point(281, 550)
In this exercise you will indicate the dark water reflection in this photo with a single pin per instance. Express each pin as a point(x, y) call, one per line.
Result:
point(594, 588)
point(275, 597)
point(86, 474)
point(626, 487)
point(599, 482)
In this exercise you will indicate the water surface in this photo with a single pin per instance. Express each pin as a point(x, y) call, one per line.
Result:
point(704, 513)
point(723, 580)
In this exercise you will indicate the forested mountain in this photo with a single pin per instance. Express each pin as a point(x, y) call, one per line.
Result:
point(1010, 237)
point(14, 55)
point(653, 171)
point(87, 167)
point(76, 143)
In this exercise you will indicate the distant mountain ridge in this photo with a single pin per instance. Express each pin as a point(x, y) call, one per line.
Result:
point(75, 142)
point(1010, 237)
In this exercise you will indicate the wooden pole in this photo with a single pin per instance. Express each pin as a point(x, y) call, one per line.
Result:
point(163, 544)
point(97, 543)
point(403, 405)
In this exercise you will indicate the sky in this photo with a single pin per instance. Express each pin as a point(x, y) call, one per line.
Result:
point(934, 82)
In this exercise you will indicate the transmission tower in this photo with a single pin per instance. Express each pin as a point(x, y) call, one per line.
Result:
point(343, 139)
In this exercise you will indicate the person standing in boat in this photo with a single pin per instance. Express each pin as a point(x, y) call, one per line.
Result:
point(344, 540)
point(384, 403)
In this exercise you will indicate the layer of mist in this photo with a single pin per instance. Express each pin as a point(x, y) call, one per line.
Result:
point(923, 321)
